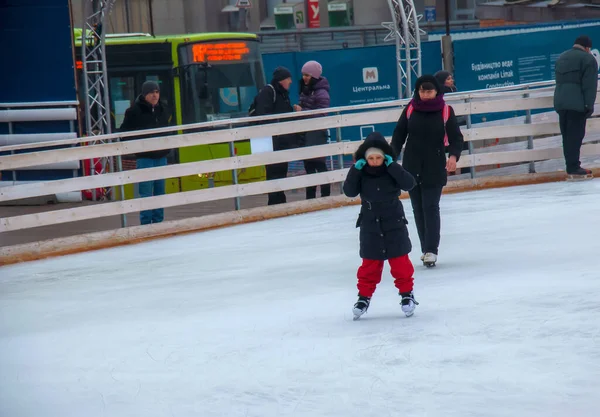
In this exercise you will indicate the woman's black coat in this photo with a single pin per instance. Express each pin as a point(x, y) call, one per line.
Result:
point(425, 156)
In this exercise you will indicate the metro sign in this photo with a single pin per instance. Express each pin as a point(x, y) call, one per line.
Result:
point(314, 20)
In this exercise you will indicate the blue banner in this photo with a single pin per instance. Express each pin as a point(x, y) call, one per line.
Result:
point(356, 75)
point(513, 59)
point(37, 66)
point(37, 55)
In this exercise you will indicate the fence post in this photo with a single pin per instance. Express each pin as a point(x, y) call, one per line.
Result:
point(234, 170)
point(10, 132)
point(472, 170)
point(338, 138)
point(529, 138)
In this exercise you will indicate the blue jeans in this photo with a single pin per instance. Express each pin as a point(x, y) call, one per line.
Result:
point(151, 188)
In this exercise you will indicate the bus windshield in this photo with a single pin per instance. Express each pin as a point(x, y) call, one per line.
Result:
point(219, 79)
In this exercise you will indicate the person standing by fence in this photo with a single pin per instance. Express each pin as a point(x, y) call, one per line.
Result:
point(314, 95)
point(428, 126)
point(148, 113)
point(576, 74)
point(274, 98)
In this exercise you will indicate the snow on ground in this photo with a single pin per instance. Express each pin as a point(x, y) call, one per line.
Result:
point(255, 320)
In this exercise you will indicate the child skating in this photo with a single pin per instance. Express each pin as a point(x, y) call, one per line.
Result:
point(378, 179)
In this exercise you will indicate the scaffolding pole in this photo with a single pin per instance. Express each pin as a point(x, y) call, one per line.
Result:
point(404, 29)
point(95, 84)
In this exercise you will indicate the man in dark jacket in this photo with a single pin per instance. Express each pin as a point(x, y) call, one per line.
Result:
point(576, 75)
point(274, 98)
point(148, 113)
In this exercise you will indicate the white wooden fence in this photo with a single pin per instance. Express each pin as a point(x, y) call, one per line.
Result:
point(529, 97)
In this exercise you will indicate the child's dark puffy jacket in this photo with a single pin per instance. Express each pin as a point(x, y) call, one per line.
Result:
point(383, 231)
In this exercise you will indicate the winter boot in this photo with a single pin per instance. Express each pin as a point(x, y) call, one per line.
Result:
point(580, 174)
point(408, 303)
point(429, 259)
point(361, 306)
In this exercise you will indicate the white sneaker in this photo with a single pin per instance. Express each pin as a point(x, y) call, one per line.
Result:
point(429, 259)
point(422, 257)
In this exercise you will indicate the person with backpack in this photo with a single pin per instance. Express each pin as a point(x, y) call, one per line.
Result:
point(314, 95)
point(274, 98)
point(428, 126)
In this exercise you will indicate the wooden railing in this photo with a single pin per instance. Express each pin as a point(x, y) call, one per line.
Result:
point(535, 96)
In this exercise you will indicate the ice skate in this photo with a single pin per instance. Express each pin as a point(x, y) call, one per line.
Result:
point(422, 257)
point(580, 175)
point(408, 303)
point(361, 306)
point(429, 259)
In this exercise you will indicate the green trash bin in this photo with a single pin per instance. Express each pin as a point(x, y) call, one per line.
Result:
point(340, 13)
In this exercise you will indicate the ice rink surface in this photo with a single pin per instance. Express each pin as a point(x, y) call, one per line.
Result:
point(255, 320)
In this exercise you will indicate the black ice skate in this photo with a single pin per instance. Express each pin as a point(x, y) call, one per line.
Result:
point(408, 303)
point(361, 306)
point(580, 175)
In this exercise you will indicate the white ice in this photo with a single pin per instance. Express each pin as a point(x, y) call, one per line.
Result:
point(255, 320)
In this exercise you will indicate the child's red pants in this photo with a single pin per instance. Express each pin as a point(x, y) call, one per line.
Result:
point(369, 275)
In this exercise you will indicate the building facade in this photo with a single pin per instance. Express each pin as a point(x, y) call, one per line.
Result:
point(162, 17)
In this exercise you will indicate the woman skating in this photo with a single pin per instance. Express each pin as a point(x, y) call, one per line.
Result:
point(428, 126)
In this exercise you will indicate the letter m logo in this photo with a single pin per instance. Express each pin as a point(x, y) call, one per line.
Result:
point(370, 75)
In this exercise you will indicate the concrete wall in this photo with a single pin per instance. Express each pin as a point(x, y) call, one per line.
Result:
point(173, 16)
point(193, 16)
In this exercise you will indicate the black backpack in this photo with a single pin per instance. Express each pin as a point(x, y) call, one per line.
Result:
point(252, 109)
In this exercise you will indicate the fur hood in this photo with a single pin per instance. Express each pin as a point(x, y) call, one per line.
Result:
point(375, 140)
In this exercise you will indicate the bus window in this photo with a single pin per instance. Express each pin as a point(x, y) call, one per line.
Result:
point(224, 84)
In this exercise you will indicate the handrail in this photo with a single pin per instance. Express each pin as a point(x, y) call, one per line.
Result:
point(241, 133)
point(496, 92)
point(470, 95)
point(39, 104)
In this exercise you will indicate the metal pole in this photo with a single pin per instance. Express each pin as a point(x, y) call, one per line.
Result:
point(107, 123)
point(398, 66)
point(151, 16)
point(470, 142)
point(447, 6)
point(127, 17)
point(234, 171)
point(72, 129)
point(338, 138)
point(86, 89)
point(398, 53)
point(529, 138)
point(407, 52)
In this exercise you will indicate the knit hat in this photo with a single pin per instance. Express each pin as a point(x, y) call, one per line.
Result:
point(584, 41)
point(281, 73)
point(313, 68)
point(149, 87)
point(374, 151)
point(427, 79)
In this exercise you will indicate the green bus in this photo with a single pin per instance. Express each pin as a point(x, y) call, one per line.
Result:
point(203, 77)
